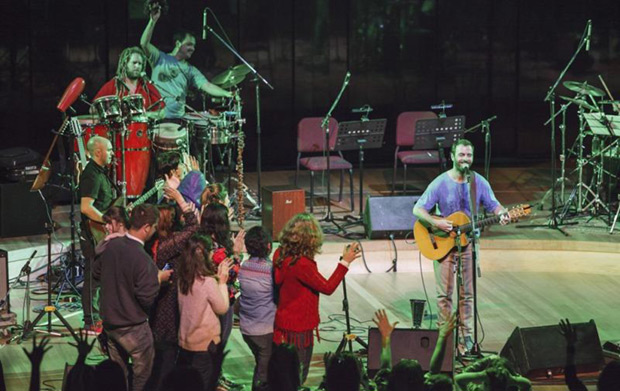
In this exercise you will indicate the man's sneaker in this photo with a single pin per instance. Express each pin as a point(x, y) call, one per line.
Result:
point(93, 329)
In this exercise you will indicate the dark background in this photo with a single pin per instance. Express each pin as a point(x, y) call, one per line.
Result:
point(487, 57)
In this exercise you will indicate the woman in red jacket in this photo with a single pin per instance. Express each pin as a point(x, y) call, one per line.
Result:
point(299, 282)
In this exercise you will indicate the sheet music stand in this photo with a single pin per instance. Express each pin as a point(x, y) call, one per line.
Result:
point(360, 135)
point(438, 133)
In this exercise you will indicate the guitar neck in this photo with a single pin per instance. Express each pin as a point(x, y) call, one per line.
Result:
point(145, 196)
point(480, 223)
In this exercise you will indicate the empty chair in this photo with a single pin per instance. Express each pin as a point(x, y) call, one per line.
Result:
point(405, 137)
point(311, 140)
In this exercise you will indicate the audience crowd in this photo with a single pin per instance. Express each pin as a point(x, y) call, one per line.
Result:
point(171, 277)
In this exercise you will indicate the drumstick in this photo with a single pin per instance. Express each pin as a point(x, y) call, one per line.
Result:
point(616, 106)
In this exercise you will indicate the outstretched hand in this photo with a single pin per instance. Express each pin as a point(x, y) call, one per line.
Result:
point(568, 331)
point(38, 351)
point(82, 346)
point(239, 242)
point(155, 12)
point(383, 324)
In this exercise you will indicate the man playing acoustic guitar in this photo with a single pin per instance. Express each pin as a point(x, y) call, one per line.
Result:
point(450, 193)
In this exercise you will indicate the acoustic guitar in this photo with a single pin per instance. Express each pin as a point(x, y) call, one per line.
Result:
point(97, 229)
point(435, 244)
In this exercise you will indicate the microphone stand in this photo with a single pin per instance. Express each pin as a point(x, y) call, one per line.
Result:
point(257, 77)
point(329, 218)
point(553, 223)
point(475, 269)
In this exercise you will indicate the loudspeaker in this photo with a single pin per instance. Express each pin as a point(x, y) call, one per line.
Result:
point(280, 203)
point(22, 212)
point(408, 343)
point(385, 216)
point(540, 352)
point(4, 280)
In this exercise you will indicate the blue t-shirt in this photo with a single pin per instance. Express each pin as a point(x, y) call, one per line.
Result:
point(173, 79)
point(451, 196)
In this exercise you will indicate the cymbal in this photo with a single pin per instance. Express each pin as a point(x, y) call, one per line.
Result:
point(583, 88)
point(580, 102)
point(241, 70)
point(222, 77)
point(234, 80)
point(232, 73)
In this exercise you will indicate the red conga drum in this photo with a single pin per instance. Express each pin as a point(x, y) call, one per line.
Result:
point(137, 157)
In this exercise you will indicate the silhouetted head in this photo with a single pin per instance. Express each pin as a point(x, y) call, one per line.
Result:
point(343, 372)
point(609, 379)
point(109, 376)
point(407, 375)
point(438, 382)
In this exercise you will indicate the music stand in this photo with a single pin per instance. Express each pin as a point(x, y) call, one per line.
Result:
point(438, 133)
point(360, 135)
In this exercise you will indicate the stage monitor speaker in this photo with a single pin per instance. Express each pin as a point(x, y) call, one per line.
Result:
point(280, 203)
point(540, 352)
point(22, 212)
point(415, 344)
point(385, 216)
point(4, 280)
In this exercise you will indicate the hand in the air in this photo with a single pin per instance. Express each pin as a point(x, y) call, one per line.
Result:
point(223, 269)
point(383, 324)
point(38, 351)
point(172, 194)
point(239, 242)
point(172, 181)
point(351, 252)
point(155, 12)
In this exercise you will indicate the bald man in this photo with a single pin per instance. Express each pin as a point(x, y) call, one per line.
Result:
point(97, 194)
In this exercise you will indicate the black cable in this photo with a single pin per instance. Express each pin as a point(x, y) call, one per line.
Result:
point(430, 319)
point(364, 257)
point(395, 259)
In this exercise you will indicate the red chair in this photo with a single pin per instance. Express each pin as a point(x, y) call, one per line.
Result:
point(405, 137)
point(311, 139)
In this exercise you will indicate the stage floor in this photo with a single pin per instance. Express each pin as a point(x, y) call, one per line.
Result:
point(530, 277)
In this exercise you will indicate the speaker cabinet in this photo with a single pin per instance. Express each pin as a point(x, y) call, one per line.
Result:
point(540, 352)
point(415, 344)
point(280, 203)
point(385, 216)
point(4, 280)
point(22, 212)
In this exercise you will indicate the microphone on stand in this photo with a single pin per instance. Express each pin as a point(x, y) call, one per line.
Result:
point(588, 35)
point(204, 23)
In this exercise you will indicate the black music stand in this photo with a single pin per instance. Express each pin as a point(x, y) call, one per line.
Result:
point(438, 133)
point(360, 135)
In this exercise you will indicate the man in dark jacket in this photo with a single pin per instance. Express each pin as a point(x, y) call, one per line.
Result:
point(129, 285)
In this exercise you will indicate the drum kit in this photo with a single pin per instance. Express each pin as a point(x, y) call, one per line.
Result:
point(136, 138)
point(597, 169)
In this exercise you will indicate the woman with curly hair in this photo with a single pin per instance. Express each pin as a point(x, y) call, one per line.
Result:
point(203, 296)
point(299, 282)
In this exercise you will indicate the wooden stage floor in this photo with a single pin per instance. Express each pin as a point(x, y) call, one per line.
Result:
point(530, 277)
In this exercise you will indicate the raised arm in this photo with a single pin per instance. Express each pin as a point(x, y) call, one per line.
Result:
point(385, 329)
point(445, 330)
point(570, 372)
point(147, 34)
